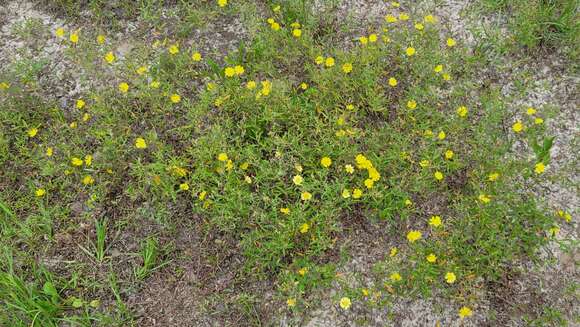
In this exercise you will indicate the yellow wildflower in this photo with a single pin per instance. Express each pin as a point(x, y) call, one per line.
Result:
point(140, 143)
point(325, 162)
point(435, 221)
point(40, 192)
point(413, 236)
point(345, 303)
point(450, 278)
point(431, 258)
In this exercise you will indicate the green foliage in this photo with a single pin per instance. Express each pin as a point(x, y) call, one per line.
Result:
point(552, 23)
point(273, 153)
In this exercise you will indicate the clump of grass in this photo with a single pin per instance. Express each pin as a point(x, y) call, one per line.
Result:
point(553, 23)
point(149, 255)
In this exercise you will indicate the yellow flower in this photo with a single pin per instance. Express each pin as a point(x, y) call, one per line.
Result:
point(174, 49)
point(80, 104)
point(76, 162)
point(369, 183)
point(285, 211)
point(175, 98)
point(123, 87)
point(346, 193)
point(88, 180)
point(326, 162)
point(4, 86)
point(222, 3)
point(303, 86)
point(363, 40)
point(424, 163)
point(410, 51)
point(202, 195)
point(266, 87)
point(395, 4)
point(140, 143)
point(538, 121)
point(395, 277)
point(49, 152)
point(229, 71)
point(438, 68)
point(32, 132)
point(450, 278)
point(319, 60)
point(110, 57)
point(393, 82)
point(59, 32)
point(390, 18)
point(304, 228)
point(74, 37)
point(393, 252)
point(141, 70)
point(298, 168)
point(431, 258)
point(419, 27)
point(239, 70)
point(73, 125)
point(446, 76)
point(222, 157)
point(40, 192)
point(347, 68)
point(531, 111)
point(373, 38)
point(154, 84)
point(484, 198)
point(298, 180)
point(357, 193)
point(449, 154)
point(305, 196)
point(345, 303)
point(184, 186)
point(275, 26)
point(88, 160)
point(493, 177)
point(251, 85)
point(196, 56)
point(462, 111)
point(374, 174)
point(101, 39)
point(303, 271)
point(435, 221)
point(408, 202)
point(329, 62)
point(438, 175)
point(403, 16)
point(539, 168)
point(291, 302)
point(465, 312)
point(297, 33)
point(413, 236)
point(411, 104)
point(451, 42)
point(349, 169)
point(441, 135)
point(430, 19)
point(518, 126)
